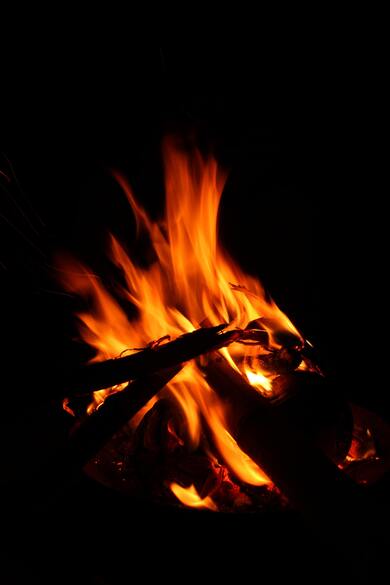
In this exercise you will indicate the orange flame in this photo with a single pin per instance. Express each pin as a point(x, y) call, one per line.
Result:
point(191, 279)
point(190, 497)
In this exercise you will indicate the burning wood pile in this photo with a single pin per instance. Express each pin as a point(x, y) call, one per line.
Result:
point(209, 395)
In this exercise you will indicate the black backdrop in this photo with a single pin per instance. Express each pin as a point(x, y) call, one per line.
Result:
point(304, 207)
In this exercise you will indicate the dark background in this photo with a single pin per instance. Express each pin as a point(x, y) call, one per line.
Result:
point(303, 139)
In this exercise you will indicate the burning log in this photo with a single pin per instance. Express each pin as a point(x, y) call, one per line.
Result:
point(90, 435)
point(154, 358)
point(313, 402)
point(276, 438)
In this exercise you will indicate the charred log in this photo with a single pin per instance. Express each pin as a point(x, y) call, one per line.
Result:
point(90, 435)
point(285, 338)
point(154, 358)
point(278, 437)
point(281, 361)
point(314, 403)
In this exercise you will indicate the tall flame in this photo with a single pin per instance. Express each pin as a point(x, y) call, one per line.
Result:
point(191, 278)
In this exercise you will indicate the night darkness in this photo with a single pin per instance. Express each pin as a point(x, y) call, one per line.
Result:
point(303, 209)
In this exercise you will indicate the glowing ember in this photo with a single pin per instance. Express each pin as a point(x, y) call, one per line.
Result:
point(190, 280)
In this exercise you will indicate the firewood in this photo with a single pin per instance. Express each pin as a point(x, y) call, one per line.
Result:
point(281, 336)
point(91, 434)
point(316, 405)
point(275, 438)
point(100, 375)
point(152, 434)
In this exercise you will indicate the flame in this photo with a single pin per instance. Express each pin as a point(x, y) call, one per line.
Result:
point(190, 279)
point(259, 380)
point(190, 497)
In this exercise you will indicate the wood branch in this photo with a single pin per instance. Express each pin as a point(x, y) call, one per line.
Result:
point(273, 437)
point(89, 436)
point(109, 373)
